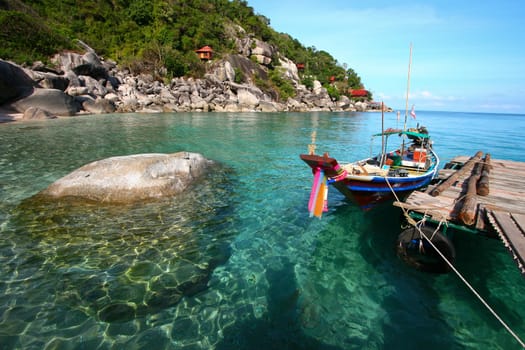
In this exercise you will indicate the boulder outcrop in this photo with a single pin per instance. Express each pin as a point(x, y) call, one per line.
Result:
point(129, 179)
point(14, 82)
point(53, 101)
point(85, 83)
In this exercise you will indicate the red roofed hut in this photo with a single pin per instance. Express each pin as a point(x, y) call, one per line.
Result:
point(358, 93)
point(205, 53)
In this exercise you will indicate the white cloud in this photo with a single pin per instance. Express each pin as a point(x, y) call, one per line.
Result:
point(429, 96)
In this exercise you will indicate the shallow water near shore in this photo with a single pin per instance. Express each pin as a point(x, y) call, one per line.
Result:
point(236, 262)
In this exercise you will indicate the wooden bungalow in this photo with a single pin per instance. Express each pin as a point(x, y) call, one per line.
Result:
point(358, 93)
point(205, 53)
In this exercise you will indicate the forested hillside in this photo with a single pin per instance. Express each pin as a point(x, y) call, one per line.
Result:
point(158, 36)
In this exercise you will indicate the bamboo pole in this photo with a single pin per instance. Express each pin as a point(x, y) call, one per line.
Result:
point(455, 176)
point(383, 149)
point(406, 100)
point(483, 183)
point(408, 87)
point(467, 212)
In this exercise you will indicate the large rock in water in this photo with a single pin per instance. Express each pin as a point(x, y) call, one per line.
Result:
point(133, 178)
point(52, 100)
point(14, 82)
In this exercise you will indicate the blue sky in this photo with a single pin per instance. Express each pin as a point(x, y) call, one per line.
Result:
point(467, 56)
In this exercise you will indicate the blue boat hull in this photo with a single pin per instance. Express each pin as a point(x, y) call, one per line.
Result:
point(368, 190)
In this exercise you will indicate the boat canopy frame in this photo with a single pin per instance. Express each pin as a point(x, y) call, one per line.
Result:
point(403, 132)
point(424, 138)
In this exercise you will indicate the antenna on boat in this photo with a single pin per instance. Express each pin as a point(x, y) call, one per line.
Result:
point(408, 92)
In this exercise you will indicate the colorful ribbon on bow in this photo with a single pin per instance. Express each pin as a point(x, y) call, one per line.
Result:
point(318, 202)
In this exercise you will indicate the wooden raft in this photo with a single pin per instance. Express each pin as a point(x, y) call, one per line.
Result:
point(501, 211)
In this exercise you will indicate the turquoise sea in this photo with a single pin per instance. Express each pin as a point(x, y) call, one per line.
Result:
point(236, 262)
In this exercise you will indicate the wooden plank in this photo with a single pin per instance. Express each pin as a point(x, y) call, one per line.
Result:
point(520, 220)
point(508, 208)
point(466, 168)
point(460, 159)
point(507, 188)
point(507, 193)
point(445, 173)
point(512, 232)
point(517, 257)
point(481, 218)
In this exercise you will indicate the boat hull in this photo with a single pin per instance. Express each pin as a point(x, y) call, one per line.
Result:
point(367, 191)
point(368, 194)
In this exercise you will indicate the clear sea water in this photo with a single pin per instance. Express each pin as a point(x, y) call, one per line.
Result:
point(237, 263)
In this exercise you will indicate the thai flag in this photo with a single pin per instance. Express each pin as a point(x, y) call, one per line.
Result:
point(413, 112)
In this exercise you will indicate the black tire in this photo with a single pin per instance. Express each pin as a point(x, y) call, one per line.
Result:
point(417, 252)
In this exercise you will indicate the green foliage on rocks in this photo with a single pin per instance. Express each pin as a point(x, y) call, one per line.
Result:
point(283, 86)
point(155, 36)
point(333, 92)
point(239, 76)
point(308, 82)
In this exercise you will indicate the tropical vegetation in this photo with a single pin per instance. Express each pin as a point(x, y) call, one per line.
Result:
point(156, 36)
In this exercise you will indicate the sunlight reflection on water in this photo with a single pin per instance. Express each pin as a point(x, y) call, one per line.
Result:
point(236, 262)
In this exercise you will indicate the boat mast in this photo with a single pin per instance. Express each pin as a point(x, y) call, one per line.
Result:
point(408, 87)
point(383, 148)
point(406, 102)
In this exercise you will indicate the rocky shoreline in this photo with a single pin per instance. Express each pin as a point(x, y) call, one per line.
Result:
point(87, 84)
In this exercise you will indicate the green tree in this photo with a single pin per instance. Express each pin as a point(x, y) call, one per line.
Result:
point(26, 40)
point(141, 12)
point(354, 81)
point(154, 34)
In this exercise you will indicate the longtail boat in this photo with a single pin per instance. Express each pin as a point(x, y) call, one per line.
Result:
point(389, 175)
point(368, 182)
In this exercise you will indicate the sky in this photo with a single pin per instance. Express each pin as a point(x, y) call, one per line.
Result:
point(467, 56)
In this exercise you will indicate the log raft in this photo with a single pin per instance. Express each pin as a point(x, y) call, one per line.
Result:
point(483, 183)
point(462, 198)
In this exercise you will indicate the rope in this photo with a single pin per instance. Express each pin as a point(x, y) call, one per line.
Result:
point(410, 219)
point(474, 291)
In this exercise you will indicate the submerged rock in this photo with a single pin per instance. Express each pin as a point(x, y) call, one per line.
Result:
point(120, 263)
point(133, 178)
point(117, 312)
